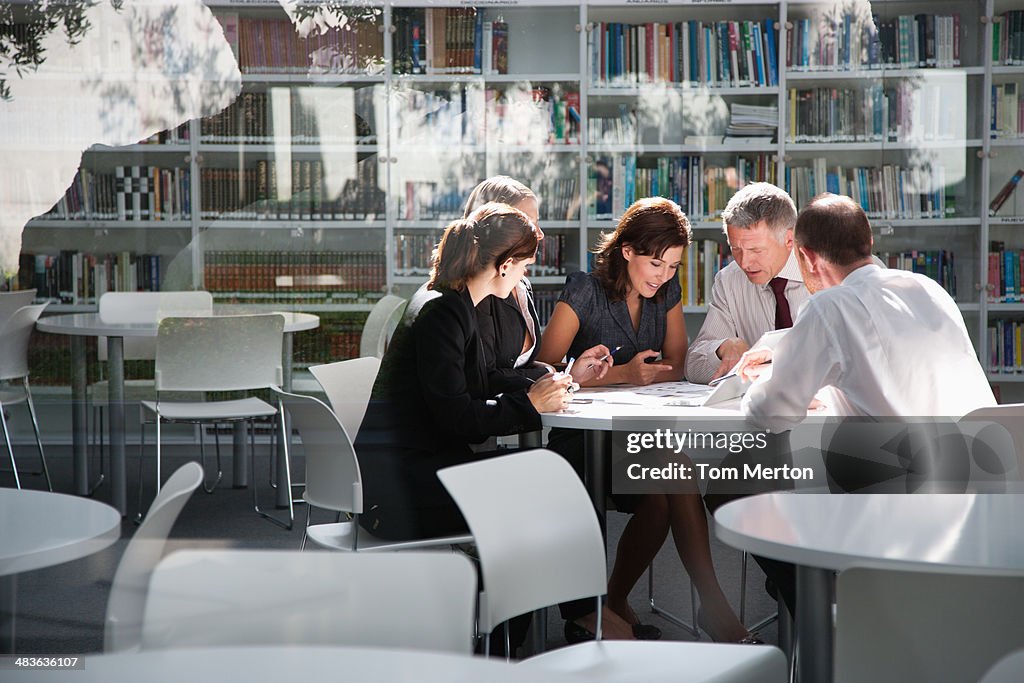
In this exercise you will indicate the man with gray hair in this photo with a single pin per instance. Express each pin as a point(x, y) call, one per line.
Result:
point(759, 291)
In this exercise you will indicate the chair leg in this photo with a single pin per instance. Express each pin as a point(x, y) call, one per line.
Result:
point(288, 474)
point(158, 450)
point(743, 598)
point(35, 428)
point(142, 446)
point(202, 456)
point(97, 420)
point(690, 627)
point(305, 529)
point(10, 447)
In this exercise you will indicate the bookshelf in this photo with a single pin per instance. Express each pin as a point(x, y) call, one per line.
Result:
point(363, 141)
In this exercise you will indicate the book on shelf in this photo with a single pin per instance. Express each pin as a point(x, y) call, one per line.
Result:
point(294, 277)
point(540, 115)
point(889, 191)
point(272, 46)
point(937, 264)
point(699, 188)
point(74, 277)
point(130, 193)
point(1005, 349)
point(700, 263)
point(856, 41)
point(337, 338)
point(448, 40)
point(618, 129)
point(1007, 110)
point(1005, 192)
point(717, 54)
point(905, 112)
point(1008, 38)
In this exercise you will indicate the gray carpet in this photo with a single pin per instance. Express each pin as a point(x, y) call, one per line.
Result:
point(61, 609)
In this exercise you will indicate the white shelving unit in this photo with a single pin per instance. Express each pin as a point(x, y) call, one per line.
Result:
point(417, 141)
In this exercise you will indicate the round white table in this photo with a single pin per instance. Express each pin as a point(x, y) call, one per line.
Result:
point(82, 325)
point(41, 529)
point(595, 411)
point(826, 533)
point(275, 664)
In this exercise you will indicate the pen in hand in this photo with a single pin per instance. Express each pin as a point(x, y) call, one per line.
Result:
point(610, 353)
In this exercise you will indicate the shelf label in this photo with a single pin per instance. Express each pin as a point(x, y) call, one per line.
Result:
point(489, 3)
point(1008, 220)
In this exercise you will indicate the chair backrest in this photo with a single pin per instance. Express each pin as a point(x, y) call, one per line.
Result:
point(123, 629)
point(422, 600)
point(14, 337)
point(918, 626)
point(348, 385)
point(1011, 417)
point(145, 307)
point(380, 325)
point(549, 551)
point(333, 480)
point(1009, 669)
point(12, 301)
point(219, 353)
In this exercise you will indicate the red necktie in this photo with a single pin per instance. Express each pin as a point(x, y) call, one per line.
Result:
point(783, 318)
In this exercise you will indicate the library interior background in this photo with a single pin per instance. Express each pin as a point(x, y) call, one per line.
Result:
point(305, 156)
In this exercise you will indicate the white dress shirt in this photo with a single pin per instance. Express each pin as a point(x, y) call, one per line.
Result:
point(890, 343)
point(739, 308)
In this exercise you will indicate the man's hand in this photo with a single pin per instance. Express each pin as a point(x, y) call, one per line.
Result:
point(729, 351)
point(753, 363)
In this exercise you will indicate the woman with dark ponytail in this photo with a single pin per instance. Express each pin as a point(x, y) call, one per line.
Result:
point(432, 398)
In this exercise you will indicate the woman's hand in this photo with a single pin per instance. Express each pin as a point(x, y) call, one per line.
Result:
point(592, 365)
point(550, 393)
point(642, 373)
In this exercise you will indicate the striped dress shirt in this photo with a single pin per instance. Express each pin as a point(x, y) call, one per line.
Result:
point(739, 308)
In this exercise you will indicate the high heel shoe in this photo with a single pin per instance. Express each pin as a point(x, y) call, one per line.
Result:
point(749, 639)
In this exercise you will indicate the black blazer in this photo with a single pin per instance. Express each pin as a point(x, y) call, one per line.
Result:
point(431, 401)
point(502, 330)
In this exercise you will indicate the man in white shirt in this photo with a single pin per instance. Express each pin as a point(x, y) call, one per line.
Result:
point(761, 290)
point(889, 342)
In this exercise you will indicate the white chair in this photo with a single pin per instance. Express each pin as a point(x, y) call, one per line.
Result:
point(348, 385)
point(551, 550)
point(920, 626)
point(333, 481)
point(217, 354)
point(381, 324)
point(136, 307)
point(12, 301)
point(1009, 669)
point(14, 338)
point(123, 629)
point(421, 601)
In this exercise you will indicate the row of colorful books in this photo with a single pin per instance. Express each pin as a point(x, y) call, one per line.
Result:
point(267, 45)
point(260, 193)
point(75, 277)
point(297, 277)
point(1005, 274)
point(701, 190)
point(1006, 346)
point(131, 193)
point(714, 53)
point(889, 191)
point(938, 264)
point(906, 111)
point(857, 41)
point(1007, 110)
point(342, 115)
point(1008, 38)
point(449, 40)
point(537, 115)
